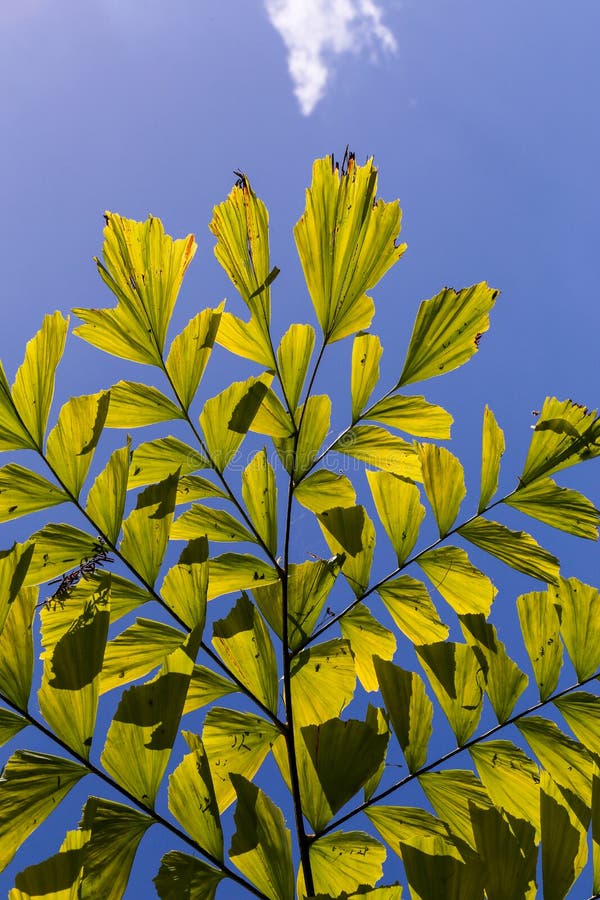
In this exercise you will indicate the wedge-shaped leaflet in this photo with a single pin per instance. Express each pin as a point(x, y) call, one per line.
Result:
point(106, 499)
point(116, 831)
point(414, 415)
point(34, 383)
point(185, 586)
point(154, 460)
point(261, 847)
point(410, 606)
point(146, 529)
point(511, 779)
point(16, 648)
point(366, 353)
point(31, 787)
point(237, 572)
point(194, 487)
point(409, 708)
point(582, 712)
point(492, 450)
point(398, 503)
point(444, 480)
point(293, 355)
point(357, 562)
point(23, 491)
point(464, 587)
point(579, 606)
point(452, 794)
point(515, 548)
point(564, 838)
point(455, 675)
point(377, 447)
point(68, 696)
point(190, 352)
point(235, 743)
point(272, 418)
point(246, 339)
point(508, 852)
point(343, 862)
point(10, 725)
point(540, 627)
point(567, 761)
point(134, 405)
point(206, 686)
point(71, 443)
point(181, 875)
point(259, 492)
point(243, 642)
point(402, 826)
point(192, 799)
point(346, 241)
point(378, 719)
point(565, 434)
point(323, 682)
point(323, 490)
point(559, 507)
point(56, 878)
point(596, 828)
point(136, 651)
point(144, 727)
point(431, 874)
point(504, 681)
point(215, 524)
point(367, 638)
point(446, 331)
point(226, 418)
point(315, 417)
point(57, 548)
point(13, 434)
point(144, 268)
point(124, 594)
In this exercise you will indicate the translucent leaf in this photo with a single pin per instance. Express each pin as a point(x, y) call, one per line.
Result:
point(432, 873)
point(315, 416)
point(464, 587)
point(146, 529)
point(345, 526)
point(582, 712)
point(106, 499)
point(133, 405)
point(504, 681)
point(343, 862)
point(356, 566)
point(492, 450)
point(185, 586)
point(206, 686)
point(346, 241)
point(509, 854)
point(272, 418)
point(446, 331)
point(192, 798)
point(16, 648)
point(186, 876)
point(558, 507)
point(226, 418)
point(31, 787)
point(510, 778)
point(565, 434)
point(444, 480)
point(293, 355)
point(137, 650)
point(409, 708)
point(13, 434)
point(72, 441)
point(259, 492)
point(243, 642)
point(564, 840)
point(235, 743)
point(33, 389)
point(190, 352)
point(596, 828)
point(56, 878)
point(455, 675)
point(515, 548)
point(453, 793)
point(410, 606)
point(194, 487)
point(540, 627)
point(116, 831)
point(367, 638)
point(568, 762)
point(323, 682)
point(57, 548)
point(378, 719)
point(144, 268)
point(366, 353)
point(238, 572)
point(377, 447)
point(154, 460)
point(323, 490)
point(402, 826)
point(579, 609)
point(124, 594)
point(215, 524)
point(399, 507)
point(414, 415)
point(10, 725)
point(261, 847)
point(246, 339)
point(23, 491)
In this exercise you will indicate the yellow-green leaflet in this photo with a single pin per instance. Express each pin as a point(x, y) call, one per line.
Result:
point(405, 826)
point(272, 418)
point(377, 447)
point(133, 405)
point(566, 760)
point(453, 793)
point(504, 681)
point(344, 861)
point(323, 489)
point(259, 492)
point(185, 586)
point(454, 673)
point(492, 450)
point(464, 587)
point(226, 418)
point(368, 639)
point(146, 529)
point(511, 779)
point(56, 878)
point(410, 606)
point(508, 853)
point(13, 434)
point(432, 873)
point(192, 798)
point(180, 873)
point(72, 442)
point(414, 415)
point(154, 460)
point(106, 499)
point(515, 548)
point(579, 606)
point(16, 648)
point(398, 503)
point(540, 627)
point(565, 819)
point(323, 681)
point(559, 507)
point(246, 339)
point(565, 433)
point(215, 524)
point(294, 354)
point(444, 481)
point(238, 572)
point(409, 708)
point(190, 352)
point(10, 725)
point(206, 686)
point(23, 491)
point(351, 527)
point(136, 651)
point(366, 353)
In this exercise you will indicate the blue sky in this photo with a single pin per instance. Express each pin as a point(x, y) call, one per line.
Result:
point(482, 118)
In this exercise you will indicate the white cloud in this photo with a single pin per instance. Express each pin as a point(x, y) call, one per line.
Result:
point(315, 31)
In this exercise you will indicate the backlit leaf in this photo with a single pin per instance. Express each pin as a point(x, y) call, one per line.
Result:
point(366, 353)
point(567, 761)
point(455, 675)
point(56, 878)
point(238, 572)
point(13, 434)
point(367, 638)
point(582, 713)
point(215, 524)
point(377, 447)
point(409, 708)
point(206, 686)
point(452, 794)
point(226, 418)
point(492, 450)
point(410, 606)
point(23, 491)
point(194, 487)
point(190, 352)
point(16, 648)
point(540, 627)
point(154, 460)
point(515, 548)
point(192, 798)
point(504, 681)
point(402, 826)
point(185, 586)
point(432, 873)
point(315, 417)
point(510, 778)
point(259, 492)
point(146, 529)
point(464, 587)
point(137, 650)
point(596, 828)
point(245, 339)
point(272, 418)
point(414, 415)
point(444, 481)
point(565, 434)
point(564, 840)
point(106, 499)
point(133, 405)
point(579, 606)
point(10, 725)
point(508, 852)
point(72, 441)
point(356, 566)
point(323, 682)
point(186, 876)
point(399, 506)
point(559, 507)
point(378, 719)
point(343, 862)
point(323, 490)
point(57, 548)
point(293, 355)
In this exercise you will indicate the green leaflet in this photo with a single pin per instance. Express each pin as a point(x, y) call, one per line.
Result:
point(57, 877)
point(378, 719)
point(215, 524)
point(346, 242)
point(540, 627)
point(559, 507)
point(134, 405)
point(568, 762)
point(185, 586)
point(23, 491)
point(272, 418)
point(238, 572)
point(192, 798)
point(579, 610)
point(399, 506)
point(510, 778)
point(294, 354)
point(246, 339)
point(226, 418)
point(323, 682)
point(314, 417)
point(410, 606)
point(377, 447)
point(433, 874)
point(16, 648)
point(403, 826)
point(190, 352)
point(582, 713)
point(492, 450)
point(144, 268)
point(453, 794)
point(446, 331)
point(154, 460)
point(414, 415)
point(565, 434)
point(368, 639)
point(206, 686)
point(124, 594)
point(13, 434)
point(259, 492)
point(261, 847)
point(564, 838)
point(323, 490)
point(344, 861)
point(343, 524)
point(515, 548)
point(181, 875)
point(73, 440)
point(194, 487)
point(464, 587)
point(106, 499)
point(444, 481)
point(146, 529)
point(456, 678)
point(409, 708)
point(504, 681)
point(10, 725)
point(508, 852)
point(366, 353)
point(136, 651)
point(31, 786)
point(57, 549)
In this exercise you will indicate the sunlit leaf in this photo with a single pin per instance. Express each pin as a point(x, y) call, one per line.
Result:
point(237, 572)
point(13, 434)
point(106, 499)
point(565, 434)
point(246, 339)
point(259, 492)
point(154, 460)
point(455, 675)
point(137, 650)
point(125, 596)
point(377, 447)
point(378, 719)
point(10, 725)
point(410, 606)
point(508, 852)
point(515, 548)
point(356, 566)
point(146, 529)
point(582, 712)
point(564, 839)
point(185, 585)
point(309, 585)
point(559, 507)
point(579, 609)
point(215, 524)
point(492, 450)
point(186, 876)
point(133, 405)
point(540, 627)
point(315, 417)
point(23, 491)
point(464, 587)
point(56, 878)
point(444, 481)
point(226, 418)
point(323, 490)
point(343, 862)
point(409, 708)
point(190, 352)
point(510, 778)
point(367, 638)
point(323, 682)
point(446, 331)
point(272, 418)
point(194, 487)
point(432, 873)
point(293, 355)
point(16, 648)
point(366, 353)
point(206, 686)
point(57, 548)
point(402, 826)
point(399, 506)
point(567, 761)
point(192, 798)
point(504, 681)
point(452, 794)
point(414, 415)
point(72, 441)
